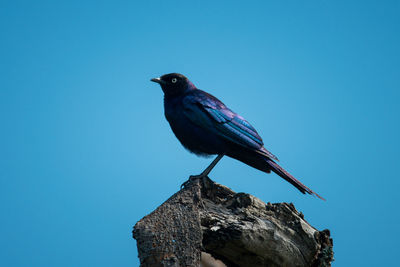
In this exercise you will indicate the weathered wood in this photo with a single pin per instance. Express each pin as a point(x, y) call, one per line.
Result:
point(236, 228)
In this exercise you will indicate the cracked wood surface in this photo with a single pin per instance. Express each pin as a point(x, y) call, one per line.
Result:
point(236, 228)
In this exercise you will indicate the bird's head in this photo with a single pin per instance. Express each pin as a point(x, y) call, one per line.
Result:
point(174, 84)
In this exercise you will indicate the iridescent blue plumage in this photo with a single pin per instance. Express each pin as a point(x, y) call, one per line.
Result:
point(205, 126)
point(208, 112)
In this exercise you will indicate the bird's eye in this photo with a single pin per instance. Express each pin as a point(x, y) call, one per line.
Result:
point(174, 80)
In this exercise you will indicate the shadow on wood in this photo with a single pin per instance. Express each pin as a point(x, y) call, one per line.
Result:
point(235, 228)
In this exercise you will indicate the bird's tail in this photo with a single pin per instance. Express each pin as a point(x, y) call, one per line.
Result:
point(288, 177)
point(266, 164)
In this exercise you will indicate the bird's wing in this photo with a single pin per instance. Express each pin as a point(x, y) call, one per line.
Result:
point(208, 112)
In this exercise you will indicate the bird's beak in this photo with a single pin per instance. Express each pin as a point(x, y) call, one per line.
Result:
point(157, 80)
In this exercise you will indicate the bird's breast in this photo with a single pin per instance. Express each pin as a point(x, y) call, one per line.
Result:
point(196, 139)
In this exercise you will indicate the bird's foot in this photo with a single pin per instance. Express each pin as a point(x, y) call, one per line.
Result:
point(193, 178)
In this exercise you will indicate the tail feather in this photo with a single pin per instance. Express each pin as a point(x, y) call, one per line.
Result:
point(267, 164)
point(288, 177)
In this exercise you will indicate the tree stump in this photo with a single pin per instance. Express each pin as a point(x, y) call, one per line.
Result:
point(205, 221)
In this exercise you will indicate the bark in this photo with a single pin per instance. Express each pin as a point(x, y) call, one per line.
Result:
point(206, 219)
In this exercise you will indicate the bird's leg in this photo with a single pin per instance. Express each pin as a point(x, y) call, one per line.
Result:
point(208, 169)
point(205, 172)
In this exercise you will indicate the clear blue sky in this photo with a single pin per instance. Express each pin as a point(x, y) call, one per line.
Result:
point(85, 151)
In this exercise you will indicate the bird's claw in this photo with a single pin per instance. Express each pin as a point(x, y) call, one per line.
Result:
point(192, 178)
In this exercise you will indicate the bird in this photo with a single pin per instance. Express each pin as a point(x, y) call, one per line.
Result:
point(205, 126)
